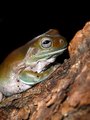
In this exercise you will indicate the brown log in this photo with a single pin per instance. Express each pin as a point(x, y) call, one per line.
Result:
point(66, 93)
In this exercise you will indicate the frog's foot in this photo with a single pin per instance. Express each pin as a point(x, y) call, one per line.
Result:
point(1, 96)
point(29, 77)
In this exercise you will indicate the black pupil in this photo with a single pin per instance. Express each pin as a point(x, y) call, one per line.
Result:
point(46, 42)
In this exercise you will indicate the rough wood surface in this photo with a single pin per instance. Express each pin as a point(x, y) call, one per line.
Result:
point(66, 93)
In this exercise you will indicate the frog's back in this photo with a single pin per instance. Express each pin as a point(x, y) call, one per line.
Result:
point(13, 58)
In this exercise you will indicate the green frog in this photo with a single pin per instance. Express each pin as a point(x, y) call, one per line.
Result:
point(28, 65)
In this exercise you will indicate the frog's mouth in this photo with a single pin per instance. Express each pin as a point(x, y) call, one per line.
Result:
point(47, 54)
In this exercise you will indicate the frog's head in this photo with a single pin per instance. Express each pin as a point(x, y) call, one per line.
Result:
point(48, 45)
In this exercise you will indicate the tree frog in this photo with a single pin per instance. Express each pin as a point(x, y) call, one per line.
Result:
point(30, 64)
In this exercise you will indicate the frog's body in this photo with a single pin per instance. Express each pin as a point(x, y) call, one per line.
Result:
point(27, 65)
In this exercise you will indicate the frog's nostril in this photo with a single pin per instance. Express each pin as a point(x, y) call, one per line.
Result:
point(61, 41)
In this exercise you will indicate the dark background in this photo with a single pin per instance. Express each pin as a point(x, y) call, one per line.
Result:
point(19, 25)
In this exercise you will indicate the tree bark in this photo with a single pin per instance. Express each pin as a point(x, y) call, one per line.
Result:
point(65, 95)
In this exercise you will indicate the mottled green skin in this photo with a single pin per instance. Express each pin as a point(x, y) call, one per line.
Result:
point(26, 65)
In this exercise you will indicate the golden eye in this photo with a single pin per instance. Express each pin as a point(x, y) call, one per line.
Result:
point(61, 41)
point(46, 42)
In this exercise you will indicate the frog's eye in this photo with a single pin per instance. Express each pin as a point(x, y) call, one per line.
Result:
point(46, 42)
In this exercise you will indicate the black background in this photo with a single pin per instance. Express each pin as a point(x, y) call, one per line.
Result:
point(19, 24)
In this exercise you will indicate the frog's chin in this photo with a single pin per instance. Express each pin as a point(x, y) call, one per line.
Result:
point(44, 61)
point(47, 59)
point(51, 59)
point(42, 65)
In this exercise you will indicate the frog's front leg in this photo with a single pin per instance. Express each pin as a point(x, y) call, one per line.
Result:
point(31, 78)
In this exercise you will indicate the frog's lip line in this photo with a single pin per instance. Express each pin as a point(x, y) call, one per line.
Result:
point(52, 53)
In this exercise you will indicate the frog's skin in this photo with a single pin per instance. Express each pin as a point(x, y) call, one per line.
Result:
point(27, 65)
